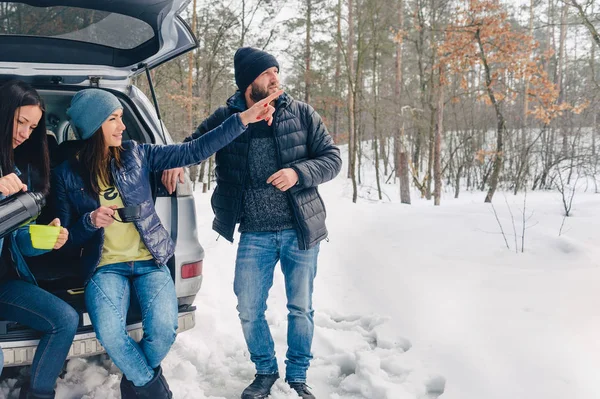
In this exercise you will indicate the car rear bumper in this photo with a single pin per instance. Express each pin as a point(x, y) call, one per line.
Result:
point(20, 353)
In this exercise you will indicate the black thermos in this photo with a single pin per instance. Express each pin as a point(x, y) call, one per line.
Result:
point(19, 209)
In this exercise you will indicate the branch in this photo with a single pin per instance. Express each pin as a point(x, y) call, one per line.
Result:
point(512, 218)
point(500, 224)
point(587, 22)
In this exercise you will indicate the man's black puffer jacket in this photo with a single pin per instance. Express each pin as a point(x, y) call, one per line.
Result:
point(302, 143)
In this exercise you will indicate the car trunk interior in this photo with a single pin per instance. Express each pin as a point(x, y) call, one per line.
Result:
point(120, 34)
point(57, 271)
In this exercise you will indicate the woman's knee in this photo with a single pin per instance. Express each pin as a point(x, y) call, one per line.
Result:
point(162, 329)
point(63, 320)
point(161, 318)
point(167, 337)
point(70, 320)
point(110, 335)
point(109, 328)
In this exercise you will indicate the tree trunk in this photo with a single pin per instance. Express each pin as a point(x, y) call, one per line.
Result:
point(383, 153)
point(430, 102)
point(203, 171)
point(211, 162)
point(190, 80)
point(193, 175)
point(594, 121)
point(561, 75)
point(522, 165)
point(338, 61)
point(375, 89)
point(501, 124)
point(351, 102)
point(307, 54)
point(351, 90)
point(451, 158)
point(201, 177)
point(457, 181)
point(594, 153)
point(359, 118)
point(420, 46)
point(402, 151)
point(430, 145)
point(437, 154)
point(190, 96)
point(243, 24)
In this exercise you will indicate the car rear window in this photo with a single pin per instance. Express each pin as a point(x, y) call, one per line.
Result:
point(72, 23)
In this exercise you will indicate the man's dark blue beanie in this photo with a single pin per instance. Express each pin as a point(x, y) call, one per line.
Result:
point(250, 62)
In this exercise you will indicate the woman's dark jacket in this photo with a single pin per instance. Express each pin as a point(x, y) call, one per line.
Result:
point(302, 143)
point(74, 204)
point(21, 246)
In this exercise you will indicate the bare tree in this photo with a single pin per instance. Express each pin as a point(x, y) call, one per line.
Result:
point(352, 83)
point(399, 142)
point(338, 62)
point(482, 38)
point(307, 53)
point(437, 155)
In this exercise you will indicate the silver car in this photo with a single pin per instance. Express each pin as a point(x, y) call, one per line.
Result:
point(61, 47)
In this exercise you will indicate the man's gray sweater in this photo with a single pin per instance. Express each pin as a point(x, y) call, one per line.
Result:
point(265, 208)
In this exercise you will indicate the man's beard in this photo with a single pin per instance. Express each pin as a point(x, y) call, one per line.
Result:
point(257, 93)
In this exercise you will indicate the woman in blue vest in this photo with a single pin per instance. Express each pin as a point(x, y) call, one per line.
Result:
point(24, 165)
point(122, 259)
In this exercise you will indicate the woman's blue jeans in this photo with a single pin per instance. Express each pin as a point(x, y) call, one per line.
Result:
point(107, 299)
point(34, 307)
point(257, 256)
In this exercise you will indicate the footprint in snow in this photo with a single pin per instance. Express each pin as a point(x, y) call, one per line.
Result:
point(362, 357)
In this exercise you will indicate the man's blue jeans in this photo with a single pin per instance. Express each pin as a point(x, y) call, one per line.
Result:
point(257, 256)
point(107, 299)
point(34, 307)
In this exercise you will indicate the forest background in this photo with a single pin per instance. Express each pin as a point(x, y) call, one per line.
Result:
point(447, 95)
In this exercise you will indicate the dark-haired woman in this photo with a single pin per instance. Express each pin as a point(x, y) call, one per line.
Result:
point(24, 165)
point(108, 173)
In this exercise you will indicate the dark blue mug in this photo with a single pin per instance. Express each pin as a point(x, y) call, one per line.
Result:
point(129, 214)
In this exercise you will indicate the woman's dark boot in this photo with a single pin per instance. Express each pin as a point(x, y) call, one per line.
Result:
point(157, 388)
point(127, 389)
point(27, 393)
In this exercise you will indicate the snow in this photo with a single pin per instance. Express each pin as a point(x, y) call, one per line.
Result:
point(411, 301)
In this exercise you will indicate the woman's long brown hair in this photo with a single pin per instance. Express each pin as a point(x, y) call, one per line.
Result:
point(94, 165)
point(34, 151)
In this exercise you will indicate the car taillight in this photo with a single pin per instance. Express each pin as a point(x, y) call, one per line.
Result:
point(189, 270)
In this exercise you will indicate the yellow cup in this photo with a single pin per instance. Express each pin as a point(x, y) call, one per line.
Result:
point(43, 236)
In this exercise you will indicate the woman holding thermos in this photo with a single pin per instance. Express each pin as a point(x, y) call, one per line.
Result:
point(24, 165)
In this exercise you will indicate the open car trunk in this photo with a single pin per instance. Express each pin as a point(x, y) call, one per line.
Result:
point(61, 46)
point(77, 35)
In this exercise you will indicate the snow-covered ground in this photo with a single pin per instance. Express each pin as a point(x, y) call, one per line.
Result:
point(410, 301)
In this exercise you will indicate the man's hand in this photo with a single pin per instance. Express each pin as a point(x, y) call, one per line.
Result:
point(103, 216)
point(283, 179)
point(262, 110)
point(63, 236)
point(170, 177)
point(11, 184)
